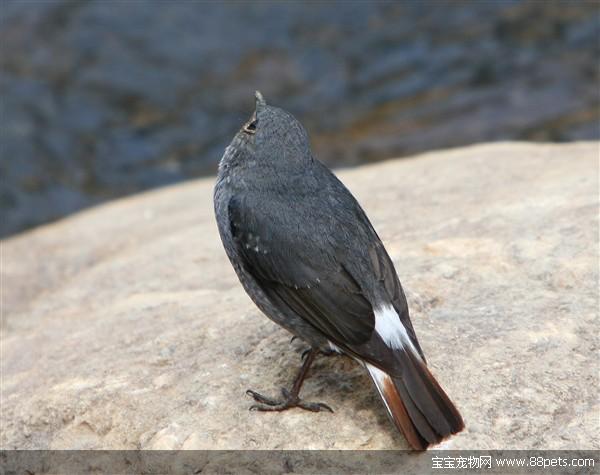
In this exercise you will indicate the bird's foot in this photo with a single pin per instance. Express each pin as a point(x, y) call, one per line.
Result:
point(289, 401)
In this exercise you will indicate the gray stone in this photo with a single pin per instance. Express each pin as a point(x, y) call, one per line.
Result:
point(125, 327)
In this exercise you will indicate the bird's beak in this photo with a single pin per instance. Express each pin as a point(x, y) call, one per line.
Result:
point(260, 100)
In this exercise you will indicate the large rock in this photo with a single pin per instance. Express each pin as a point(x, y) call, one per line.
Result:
point(125, 326)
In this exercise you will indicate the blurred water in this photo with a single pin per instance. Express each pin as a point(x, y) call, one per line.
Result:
point(104, 98)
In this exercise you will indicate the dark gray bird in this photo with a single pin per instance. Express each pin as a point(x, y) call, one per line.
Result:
point(307, 255)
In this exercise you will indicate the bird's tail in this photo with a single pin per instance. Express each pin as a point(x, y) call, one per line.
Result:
point(416, 403)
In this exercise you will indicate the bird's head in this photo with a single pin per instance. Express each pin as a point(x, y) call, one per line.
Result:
point(272, 137)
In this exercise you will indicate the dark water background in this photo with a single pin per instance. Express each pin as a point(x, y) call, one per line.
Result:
point(103, 98)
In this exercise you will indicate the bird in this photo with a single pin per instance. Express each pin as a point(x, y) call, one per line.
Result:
point(308, 256)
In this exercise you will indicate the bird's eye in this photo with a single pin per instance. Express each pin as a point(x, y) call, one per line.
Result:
point(250, 127)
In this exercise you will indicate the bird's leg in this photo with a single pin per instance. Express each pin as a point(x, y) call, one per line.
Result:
point(290, 398)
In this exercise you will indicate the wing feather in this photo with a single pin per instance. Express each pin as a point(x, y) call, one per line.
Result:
point(311, 282)
point(310, 275)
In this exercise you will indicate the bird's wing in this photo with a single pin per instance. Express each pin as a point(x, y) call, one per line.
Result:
point(296, 274)
point(310, 275)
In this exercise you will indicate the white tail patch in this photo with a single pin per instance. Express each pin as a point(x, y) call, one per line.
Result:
point(378, 375)
point(391, 330)
point(379, 378)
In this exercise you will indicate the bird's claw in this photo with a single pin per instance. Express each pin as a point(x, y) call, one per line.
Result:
point(260, 398)
point(314, 406)
point(289, 401)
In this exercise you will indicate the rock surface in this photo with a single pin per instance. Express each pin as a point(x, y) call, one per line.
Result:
point(105, 98)
point(125, 327)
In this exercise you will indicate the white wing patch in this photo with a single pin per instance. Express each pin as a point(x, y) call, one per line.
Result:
point(390, 329)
